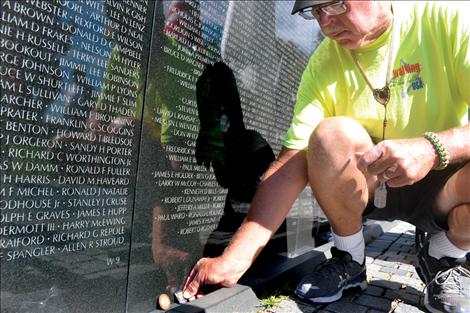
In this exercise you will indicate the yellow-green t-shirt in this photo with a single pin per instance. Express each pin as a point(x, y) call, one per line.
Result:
point(430, 80)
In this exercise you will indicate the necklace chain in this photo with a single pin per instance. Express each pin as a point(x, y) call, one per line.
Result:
point(381, 95)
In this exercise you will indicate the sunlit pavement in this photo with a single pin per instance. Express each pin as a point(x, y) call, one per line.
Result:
point(394, 285)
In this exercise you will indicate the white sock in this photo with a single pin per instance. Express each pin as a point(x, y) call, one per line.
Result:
point(440, 246)
point(353, 244)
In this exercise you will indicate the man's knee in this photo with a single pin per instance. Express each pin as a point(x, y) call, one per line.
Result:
point(339, 135)
point(455, 191)
point(459, 220)
point(463, 183)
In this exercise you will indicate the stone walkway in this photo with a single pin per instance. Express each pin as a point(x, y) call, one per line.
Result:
point(394, 285)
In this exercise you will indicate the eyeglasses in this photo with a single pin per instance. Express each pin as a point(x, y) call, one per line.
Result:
point(335, 8)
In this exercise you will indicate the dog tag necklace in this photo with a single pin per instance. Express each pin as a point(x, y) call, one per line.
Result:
point(382, 96)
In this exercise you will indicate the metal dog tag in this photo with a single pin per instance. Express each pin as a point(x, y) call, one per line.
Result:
point(380, 197)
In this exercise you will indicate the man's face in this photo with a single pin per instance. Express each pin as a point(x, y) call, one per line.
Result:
point(361, 24)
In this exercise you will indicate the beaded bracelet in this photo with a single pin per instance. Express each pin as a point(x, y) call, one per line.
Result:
point(440, 149)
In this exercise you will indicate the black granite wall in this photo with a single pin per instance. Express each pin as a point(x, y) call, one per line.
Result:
point(133, 135)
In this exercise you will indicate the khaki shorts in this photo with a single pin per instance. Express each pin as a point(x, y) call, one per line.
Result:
point(414, 204)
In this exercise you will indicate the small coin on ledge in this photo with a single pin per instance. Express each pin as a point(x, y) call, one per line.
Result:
point(164, 301)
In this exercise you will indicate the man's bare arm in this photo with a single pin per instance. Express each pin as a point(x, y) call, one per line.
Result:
point(281, 185)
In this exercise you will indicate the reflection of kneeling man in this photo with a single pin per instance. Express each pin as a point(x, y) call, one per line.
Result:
point(238, 156)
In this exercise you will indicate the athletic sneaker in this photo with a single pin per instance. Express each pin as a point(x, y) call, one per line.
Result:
point(329, 279)
point(447, 283)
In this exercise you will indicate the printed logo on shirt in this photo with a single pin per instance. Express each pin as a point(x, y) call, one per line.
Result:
point(407, 76)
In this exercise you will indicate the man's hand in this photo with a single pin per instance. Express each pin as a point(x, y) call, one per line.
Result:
point(399, 162)
point(212, 271)
point(282, 183)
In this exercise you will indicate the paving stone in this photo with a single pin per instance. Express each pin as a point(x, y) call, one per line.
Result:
point(378, 274)
point(395, 247)
point(404, 280)
point(385, 284)
point(400, 229)
point(409, 280)
point(369, 260)
point(389, 236)
point(373, 254)
point(374, 302)
point(351, 294)
point(413, 290)
point(414, 274)
point(409, 298)
point(305, 308)
point(294, 307)
point(394, 271)
point(406, 308)
point(416, 284)
point(390, 253)
point(396, 258)
point(345, 307)
point(374, 291)
point(407, 267)
point(409, 250)
point(373, 267)
point(399, 256)
point(406, 240)
point(408, 254)
point(374, 249)
point(391, 264)
point(415, 281)
point(380, 243)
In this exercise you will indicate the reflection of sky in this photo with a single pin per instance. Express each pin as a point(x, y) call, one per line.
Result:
point(289, 27)
point(215, 22)
point(294, 28)
point(208, 16)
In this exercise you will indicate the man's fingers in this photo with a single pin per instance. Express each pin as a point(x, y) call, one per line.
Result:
point(365, 159)
point(377, 161)
point(191, 286)
point(399, 181)
point(396, 182)
point(368, 157)
point(383, 166)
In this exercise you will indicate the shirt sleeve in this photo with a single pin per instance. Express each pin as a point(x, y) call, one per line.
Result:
point(309, 110)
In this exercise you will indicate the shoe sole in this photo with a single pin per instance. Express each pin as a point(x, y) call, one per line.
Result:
point(428, 306)
point(336, 296)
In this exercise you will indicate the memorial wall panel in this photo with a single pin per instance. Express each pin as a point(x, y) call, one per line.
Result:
point(220, 94)
point(72, 82)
